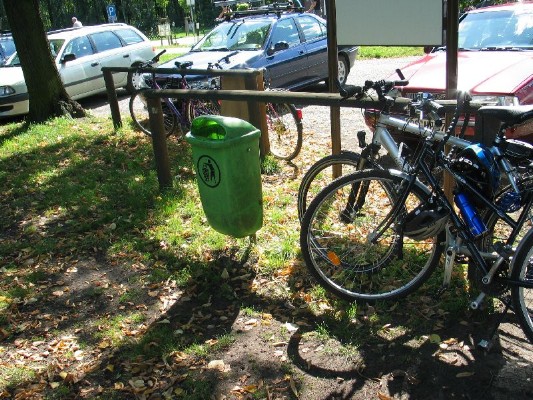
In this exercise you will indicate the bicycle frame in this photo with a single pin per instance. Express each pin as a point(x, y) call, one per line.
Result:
point(383, 137)
point(463, 241)
point(180, 115)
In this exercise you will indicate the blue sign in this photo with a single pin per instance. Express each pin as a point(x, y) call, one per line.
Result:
point(111, 11)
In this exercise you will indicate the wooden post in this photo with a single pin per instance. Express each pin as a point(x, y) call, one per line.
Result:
point(333, 71)
point(159, 143)
point(452, 38)
point(252, 111)
point(112, 98)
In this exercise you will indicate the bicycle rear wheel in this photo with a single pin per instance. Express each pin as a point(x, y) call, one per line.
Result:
point(321, 174)
point(139, 115)
point(284, 130)
point(522, 297)
point(198, 108)
point(337, 243)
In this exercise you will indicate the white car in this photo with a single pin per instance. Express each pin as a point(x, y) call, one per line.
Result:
point(80, 54)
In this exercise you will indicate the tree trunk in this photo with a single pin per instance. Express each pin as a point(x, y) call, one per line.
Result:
point(48, 97)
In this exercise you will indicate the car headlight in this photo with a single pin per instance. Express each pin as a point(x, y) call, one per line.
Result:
point(213, 82)
point(496, 100)
point(6, 91)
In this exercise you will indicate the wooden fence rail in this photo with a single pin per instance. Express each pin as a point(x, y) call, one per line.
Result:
point(253, 97)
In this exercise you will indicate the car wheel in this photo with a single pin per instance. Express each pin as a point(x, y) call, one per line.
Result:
point(134, 80)
point(344, 69)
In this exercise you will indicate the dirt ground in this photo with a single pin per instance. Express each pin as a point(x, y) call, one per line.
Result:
point(275, 351)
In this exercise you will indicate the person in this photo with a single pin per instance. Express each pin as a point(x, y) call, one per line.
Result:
point(315, 7)
point(224, 14)
point(76, 23)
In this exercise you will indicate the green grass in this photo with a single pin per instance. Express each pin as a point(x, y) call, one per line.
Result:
point(389, 51)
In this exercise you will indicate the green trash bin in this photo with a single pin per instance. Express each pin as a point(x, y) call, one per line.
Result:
point(225, 153)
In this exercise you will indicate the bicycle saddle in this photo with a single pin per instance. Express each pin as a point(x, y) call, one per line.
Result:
point(511, 115)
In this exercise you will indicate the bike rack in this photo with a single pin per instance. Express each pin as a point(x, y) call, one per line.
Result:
point(251, 95)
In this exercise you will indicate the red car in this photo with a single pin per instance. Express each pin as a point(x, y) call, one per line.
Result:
point(495, 60)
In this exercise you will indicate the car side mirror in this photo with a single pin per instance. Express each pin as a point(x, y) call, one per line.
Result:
point(278, 47)
point(68, 57)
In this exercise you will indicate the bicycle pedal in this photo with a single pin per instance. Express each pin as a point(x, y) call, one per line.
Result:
point(361, 138)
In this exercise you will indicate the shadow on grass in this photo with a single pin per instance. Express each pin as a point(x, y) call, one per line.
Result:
point(77, 214)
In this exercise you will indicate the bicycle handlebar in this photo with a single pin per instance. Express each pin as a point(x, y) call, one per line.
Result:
point(151, 62)
point(381, 87)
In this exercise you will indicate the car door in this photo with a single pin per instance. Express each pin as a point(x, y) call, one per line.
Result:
point(286, 58)
point(315, 36)
point(110, 54)
point(76, 72)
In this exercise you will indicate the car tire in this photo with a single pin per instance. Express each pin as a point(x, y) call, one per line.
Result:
point(132, 83)
point(344, 70)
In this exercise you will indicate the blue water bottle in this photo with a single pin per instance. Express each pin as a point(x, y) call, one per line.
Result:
point(470, 215)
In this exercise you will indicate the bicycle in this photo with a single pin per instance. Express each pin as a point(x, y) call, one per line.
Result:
point(172, 117)
point(379, 234)
point(284, 124)
point(320, 173)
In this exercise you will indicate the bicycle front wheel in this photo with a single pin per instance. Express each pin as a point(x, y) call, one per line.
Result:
point(284, 130)
point(522, 297)
point(340, 247)
point(139, 115)
point(321, 174)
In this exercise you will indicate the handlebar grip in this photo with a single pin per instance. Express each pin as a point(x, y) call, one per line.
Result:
point(350, 91)
point(403, 82)
point(436, 107)
point(156, 58)
point(400, 74)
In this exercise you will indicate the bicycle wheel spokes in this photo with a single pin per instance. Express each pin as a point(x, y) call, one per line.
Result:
point(338, 249)
point(284, 130)
point(140, 116)
point(198, 108)
point(321, 174)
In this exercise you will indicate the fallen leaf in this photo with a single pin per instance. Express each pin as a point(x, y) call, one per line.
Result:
point(219, 365)
point(383, 396)
point(434, 338)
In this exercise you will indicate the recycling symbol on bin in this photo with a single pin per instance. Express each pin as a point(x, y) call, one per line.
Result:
point(208, 171)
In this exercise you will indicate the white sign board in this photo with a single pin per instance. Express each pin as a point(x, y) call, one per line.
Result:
point(190, 3)
point(163, 30)
point(389, 22)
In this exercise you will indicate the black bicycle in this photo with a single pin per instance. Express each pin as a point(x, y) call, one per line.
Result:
point(379, 234)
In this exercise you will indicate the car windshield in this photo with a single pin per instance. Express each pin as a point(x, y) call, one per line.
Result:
point(55, 45)
point(494, 30)
point(235, 35)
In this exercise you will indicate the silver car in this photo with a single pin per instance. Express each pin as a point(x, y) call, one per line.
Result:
point(80, 54)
